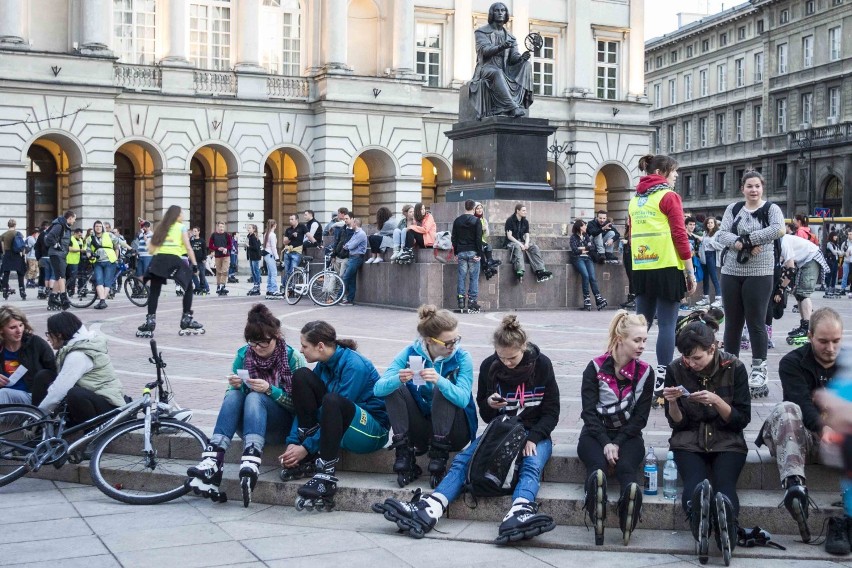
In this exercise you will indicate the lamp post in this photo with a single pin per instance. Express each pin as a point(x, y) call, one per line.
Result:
point(556, 149)
point(806, 145)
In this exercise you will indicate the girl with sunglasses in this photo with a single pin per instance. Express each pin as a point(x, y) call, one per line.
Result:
point(258, 407)
point(427, 390)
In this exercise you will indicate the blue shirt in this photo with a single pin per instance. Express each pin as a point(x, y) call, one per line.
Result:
point(358, 243)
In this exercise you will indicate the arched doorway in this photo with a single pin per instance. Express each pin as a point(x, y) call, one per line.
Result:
point(373, 183)
point(198, 196)
point(125, 194)
point(42, 187)
point(286, 189)
point(363, 37)
point(832, 197)
point(436, 179)
point(612, 191)
point(138, 164)
point(209, 200)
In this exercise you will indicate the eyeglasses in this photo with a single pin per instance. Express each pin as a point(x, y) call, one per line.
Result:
point(447, 344)
point(262, 344)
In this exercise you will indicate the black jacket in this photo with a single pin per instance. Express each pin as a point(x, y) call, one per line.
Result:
point(467, 234)
point(539, 396)
point(253, 248)
point(800, 376)
point(35, 354)
point(199, 248)
point(593, 229)
point(518, 228)
point(57, 241)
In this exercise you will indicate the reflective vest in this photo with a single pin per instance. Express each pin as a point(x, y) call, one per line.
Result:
point(107, 247)
point(174, 241)
point(74, 257)
point(651, 241)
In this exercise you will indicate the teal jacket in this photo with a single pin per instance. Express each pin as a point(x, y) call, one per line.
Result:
point(455, 382)
point(352, 376)
point(279, 395)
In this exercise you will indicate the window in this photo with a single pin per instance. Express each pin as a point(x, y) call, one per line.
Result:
point(807, 108)
point(210, 34)
point(760, 26)
point(721, 182)
point(739, 70)
point(280, 43)
point(687, 135)
point(758, 67)
point(607, 69)
point(705, 45)
point(721, 78)
point(784, 17)
point(758, 120)
point(702, 82)
point(720, 128)
point(672, 91)
point(702, 184)
point(834, 44)
point(723, 39)
point(689, 51)
point(658, 98)
point(134, 30)
point(808, 51)
point(781, 174)
point(702, 132)
point(740, 174)
point(781, 115)
point(672, 138)
point(687, 185)
point(834, 103)
point(659, 61)
point(738, 125)
point(655, 142)
point(687, 87)
point(836, 2)
point(673, 57)
point(741, 33)
point(781, 52)
point(543, 66)
point(809, 7)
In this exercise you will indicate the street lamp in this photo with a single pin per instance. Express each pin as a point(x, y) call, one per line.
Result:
point(556, 149)
point(806, 145)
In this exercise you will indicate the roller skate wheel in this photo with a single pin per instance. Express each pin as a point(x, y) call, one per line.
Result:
point(416, 532)
point(378, 508)
point(300, 504)
point(434, 480)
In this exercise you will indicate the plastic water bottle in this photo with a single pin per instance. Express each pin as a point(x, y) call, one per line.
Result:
point(670, 478)
point(650, 472)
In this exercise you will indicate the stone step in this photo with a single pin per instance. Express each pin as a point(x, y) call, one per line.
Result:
point(563, 501)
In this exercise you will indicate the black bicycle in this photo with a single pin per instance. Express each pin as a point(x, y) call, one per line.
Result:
point(130, 459)
point(82, 292)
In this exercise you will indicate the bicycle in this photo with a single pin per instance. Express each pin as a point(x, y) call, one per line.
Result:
point(121, 448)
point(82, 294)
point(325, 288)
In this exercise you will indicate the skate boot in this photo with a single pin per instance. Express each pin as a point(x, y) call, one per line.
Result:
point(439, 453)
point(489, 273)
point(797, 501)
point(6, 293)
point(472, 306)
point(703, 302)
point(523, 521)
point(699, 519)
point(396, 252)
point(223, 291)
point(600, 302)
point(405, 467)
point(205, 478)
point(233, 279)
point(53, 303)
point(101, 305)
point(629, 510)
point(757, 380)
point(795, 309)
point(318, 492)
point(406, 256)
point(306, 467)
point(272, 295)
point(630, 304)
point(249, 470)
point(595, 503)
point(417, 517)
point(190, 326)
point(42, 294)
point(23, 292)
point(587, 302)
point(147, 328)
point(769, 343)
point(543, 276)
point(179, 292)
point(461, 303)
point(659, 384)
point(725, 526)
point(254, 291)
point(799, 336)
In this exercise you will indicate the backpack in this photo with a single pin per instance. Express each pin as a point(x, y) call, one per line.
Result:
point(762, 216)
point(443, 242)
point(19, 245)
point(493, 467)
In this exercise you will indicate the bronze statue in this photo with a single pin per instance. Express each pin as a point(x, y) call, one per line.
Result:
point(502, 80)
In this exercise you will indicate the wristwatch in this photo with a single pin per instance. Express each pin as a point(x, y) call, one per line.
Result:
point(268, 391)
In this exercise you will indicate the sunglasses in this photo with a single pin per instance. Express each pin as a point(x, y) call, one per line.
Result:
point(447, 344)
point(263, 344)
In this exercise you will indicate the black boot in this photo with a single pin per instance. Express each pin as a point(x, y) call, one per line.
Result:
point(405, 466)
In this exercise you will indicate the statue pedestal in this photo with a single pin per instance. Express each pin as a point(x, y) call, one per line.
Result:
point(500, 158)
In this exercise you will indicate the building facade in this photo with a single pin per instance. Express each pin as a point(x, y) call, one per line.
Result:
point(766, 85)
point(244, 110)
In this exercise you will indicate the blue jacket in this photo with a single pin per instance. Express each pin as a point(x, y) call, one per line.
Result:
point(456, 382)
point(352, 376)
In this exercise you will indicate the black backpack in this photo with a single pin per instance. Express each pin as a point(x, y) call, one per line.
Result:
point(762, 215)
point(493, 467)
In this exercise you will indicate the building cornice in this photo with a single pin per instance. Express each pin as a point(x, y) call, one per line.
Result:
point(701, 26)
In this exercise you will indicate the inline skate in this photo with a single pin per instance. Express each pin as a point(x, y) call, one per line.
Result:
point(725, 526)
point(405, 466)
point(249, 470)
point(587, 302)
point(306, 467)
point(406, 256)
point(147, 328)
point(595, 503)
point(318, 493)
point(189, 326)
point(255, 291)
point(629, 510)
point(757, 380)
point(600, 302)
point(699, 519)
point(523, 521)
point(439, 453)
point(415, 518)
point(53, 303)
point(205, 478)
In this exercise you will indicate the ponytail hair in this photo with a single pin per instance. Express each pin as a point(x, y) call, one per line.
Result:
point(433, 322)
point(318, 331)
point(262, 325)
point(510, 334)
point(621, 322)
point(651, 164)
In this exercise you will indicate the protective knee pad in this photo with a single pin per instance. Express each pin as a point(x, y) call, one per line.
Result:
point(800, 297)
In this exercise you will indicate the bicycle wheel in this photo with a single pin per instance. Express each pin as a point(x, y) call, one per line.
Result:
point(136, 291)
point(122, 469)
point(326, 288)
point(296, 287)
point(84, 292)
point(12, 459)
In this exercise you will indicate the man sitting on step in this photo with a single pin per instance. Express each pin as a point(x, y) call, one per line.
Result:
point(793, 430)
point(518, 242)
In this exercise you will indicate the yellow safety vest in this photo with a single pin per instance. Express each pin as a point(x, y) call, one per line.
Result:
point(174, 241)
point(651, 241)
point(74, 257)
point(107, 246)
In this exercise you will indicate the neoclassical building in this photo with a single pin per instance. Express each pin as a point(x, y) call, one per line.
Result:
point(767, 85)
point(243, 110)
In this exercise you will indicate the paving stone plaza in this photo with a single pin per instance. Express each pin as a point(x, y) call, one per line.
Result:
point(49, 520)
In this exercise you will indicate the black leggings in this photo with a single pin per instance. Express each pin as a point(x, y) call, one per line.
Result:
point(627, 259)
point(375, 243)
point(630, 455)
point(156, 284)
point(447, 425)
point(38, 387)
point(746, 299)
point(721, 468)
point(5, 279)
point(310, 395)
point(414, 238)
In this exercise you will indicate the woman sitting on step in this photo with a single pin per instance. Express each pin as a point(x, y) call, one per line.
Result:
point(258, 405)
point(382, 239)
point(616, 396)
point(708, 406)
point(421, 233)
point(427, 392)
point(517, 380)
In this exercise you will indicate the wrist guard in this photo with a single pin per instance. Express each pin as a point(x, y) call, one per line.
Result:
point(789, 273)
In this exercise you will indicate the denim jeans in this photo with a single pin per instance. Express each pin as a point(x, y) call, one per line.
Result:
point(255, 272)
point(142, 264)
point(232, 268)
point(199, 280)
point(256, 417)
point(350, 275)
point(529, 478)
point(600, 242)
point(468, 268)
point(399, 237)
point(291, 262)
point(710, 274)
point(586, 268)
point(104, 273)
point(271, 274)
point(847, 268)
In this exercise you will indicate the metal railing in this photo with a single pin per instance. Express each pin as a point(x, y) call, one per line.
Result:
point(290, 88)
point(822, 135)
point(138, 77)
point(215, 82)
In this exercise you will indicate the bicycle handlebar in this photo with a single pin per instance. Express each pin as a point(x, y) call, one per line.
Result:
point(154, 349)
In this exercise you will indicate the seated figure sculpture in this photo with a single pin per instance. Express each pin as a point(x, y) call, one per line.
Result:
point(502, 80)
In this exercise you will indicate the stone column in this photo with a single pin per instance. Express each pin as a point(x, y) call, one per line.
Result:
point(464, 52)
point(13, 199)
point(177, 25)
point(335, 36)
point(403, 39)
point(12, 25)
point(97, 27)
point(248, 56)
point(171, 187)
point(91, 193)
point(245, 195)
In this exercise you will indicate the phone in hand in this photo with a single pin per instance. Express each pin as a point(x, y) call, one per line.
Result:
point(683, 390)
point(497, 398)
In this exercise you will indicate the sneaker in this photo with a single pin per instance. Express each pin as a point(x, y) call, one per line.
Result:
point(837, 539)
point(368, 261)
point(345, 302)
point(717, 303)
point(378, 259)
point(684, 308)
point(703, 302)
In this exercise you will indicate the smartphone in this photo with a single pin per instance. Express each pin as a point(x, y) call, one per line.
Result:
point(683, 390)
point(243, 375)
point(498, 398)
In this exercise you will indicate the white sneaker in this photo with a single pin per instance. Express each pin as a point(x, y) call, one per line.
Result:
point(369, 261)
point(705, 301)
point(717, 303)
point(377, 260)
